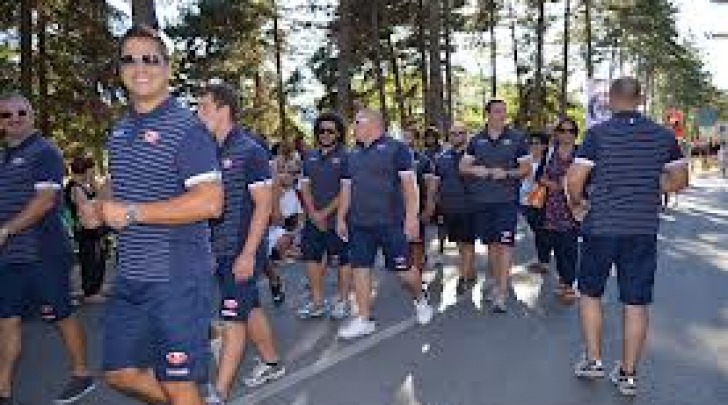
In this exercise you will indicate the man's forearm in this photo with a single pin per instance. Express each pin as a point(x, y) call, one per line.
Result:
point(258, 228)
point(192, 206)
point(32, 213)
point(411, 198)
point(344, 202)
point(332, 207)
point(673, 181)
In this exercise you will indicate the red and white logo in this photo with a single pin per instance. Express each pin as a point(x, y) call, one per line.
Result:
point(230, 304)
point(227, 163)
point(151, 137)
point(176, 358)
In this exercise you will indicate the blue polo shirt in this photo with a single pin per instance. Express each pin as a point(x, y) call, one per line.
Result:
point(627, 154)
point(35, 164)
point(505, 152)
point(376, 190)
point(244, 166)
point(324, 172)
point(453, 192)
point(157, 156)
point(423, 169)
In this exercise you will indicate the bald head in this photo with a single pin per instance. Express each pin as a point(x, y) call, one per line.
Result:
point(625, 93)
point(368, 125)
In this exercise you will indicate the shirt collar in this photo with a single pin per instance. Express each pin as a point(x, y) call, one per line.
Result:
point(377, 141)
point(165, 106)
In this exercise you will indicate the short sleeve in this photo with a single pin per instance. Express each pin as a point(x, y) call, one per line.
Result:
point(403, 159)
point(587, 152)
point(257, 169)
point(48, 170)
point(197, 158)
point(470, 149)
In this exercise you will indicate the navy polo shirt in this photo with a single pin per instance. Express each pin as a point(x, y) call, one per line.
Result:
point(323, 172)
point(627, 154)
point(453, 190)
point(376, 190)
point(157, 156)
point(423, 169)
point(505, 152)
point(244, 166)
point(35, 164)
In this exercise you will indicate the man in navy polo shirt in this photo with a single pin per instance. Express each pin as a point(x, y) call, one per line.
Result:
point(496, 160)
point(238, 240)
point(165, 186)
point(379, 209)
point(453, 202)
point(624, 164)
point(323, 169)
point(35, 253)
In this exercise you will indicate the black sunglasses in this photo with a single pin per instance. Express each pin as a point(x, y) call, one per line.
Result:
point(566, 130)
point(327, 131)
point(9, 114)
point(146, 60)
point(457, 133)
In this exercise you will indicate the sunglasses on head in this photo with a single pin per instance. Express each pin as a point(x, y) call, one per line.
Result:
point(146, 60)
point(9, 114)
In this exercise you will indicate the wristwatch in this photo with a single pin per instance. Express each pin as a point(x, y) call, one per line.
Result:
point(5, 232)
point(132, 214)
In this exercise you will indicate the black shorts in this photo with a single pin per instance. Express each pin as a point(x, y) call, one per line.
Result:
point(460, 227)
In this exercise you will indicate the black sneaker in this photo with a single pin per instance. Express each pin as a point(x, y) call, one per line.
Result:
point(75, 389)
point(6, 401)
point(464, 284)
point(625, 383)
point(279, 295)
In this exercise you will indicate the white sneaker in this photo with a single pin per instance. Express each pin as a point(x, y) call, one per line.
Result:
point(357, 327)
point(424, 311)
point(340, 310)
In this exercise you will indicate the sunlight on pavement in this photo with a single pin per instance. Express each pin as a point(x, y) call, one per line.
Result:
point(405, 394)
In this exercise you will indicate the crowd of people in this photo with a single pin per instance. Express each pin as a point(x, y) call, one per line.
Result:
point(191, 195)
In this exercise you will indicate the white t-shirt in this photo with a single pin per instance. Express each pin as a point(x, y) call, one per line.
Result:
point(289, 203)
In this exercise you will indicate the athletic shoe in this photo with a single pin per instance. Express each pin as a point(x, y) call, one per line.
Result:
point(75, 389)
point(626, 384)
point(212, 397)
point(464, 284)
point(341, 310)
point(498, 305)
point(586, 368)
point(357, 327)
point(489, 290)
point(311, 310)
point(263, 373)
point(424, 311)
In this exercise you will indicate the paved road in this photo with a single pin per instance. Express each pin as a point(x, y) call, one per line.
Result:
point(469, 356)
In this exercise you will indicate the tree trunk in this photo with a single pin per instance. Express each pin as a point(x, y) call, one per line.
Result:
point(588, 39)
point(435, 117)
point(563, 105)
point(516, 61)
point(343, 81)
point(279, 76)
point(422, 47)
point(42, 65)
point(377, 62)
point(447, 21)
point(26, 47)
point(143, 12)
point(538, 76)
point(258, 98)
point(399, 92)
point(493, 49)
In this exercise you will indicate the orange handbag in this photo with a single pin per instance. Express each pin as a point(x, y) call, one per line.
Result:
point(536, 198)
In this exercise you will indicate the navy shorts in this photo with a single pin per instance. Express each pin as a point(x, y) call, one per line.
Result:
point(41, 286)
point(316, 243)
point(460, 227)
point(237, 299)
point(496, 223)
point(365, 242)
point(162, 326)
point(635, 258)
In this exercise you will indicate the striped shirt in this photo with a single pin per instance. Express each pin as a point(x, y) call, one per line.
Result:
point(453, 197)
point(35, 164)
point(157, 156)
point(376, 188)
point(627, 154)
point(244, 166)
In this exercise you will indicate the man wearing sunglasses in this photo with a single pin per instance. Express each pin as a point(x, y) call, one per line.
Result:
point(379, 209)
point(496, 160)
point(323, 169)
point(165, 186)
point(35, 253)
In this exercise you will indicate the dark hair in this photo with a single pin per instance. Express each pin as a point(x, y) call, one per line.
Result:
point(432, 132)
point(492, 102)
point(144, 32)
point(224, 95)
point(542, 137)
point(330, 117)
point(626, 87)
point(566, 119)
point(81, 164)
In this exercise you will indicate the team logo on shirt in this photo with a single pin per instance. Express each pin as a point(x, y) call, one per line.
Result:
point(176, 358)
point(47, 313)
point(336, 161)
point(230, 304)
point(151, 137)
point(227, 163)
point(17, 161)
point(507, 142)
point(381, 147)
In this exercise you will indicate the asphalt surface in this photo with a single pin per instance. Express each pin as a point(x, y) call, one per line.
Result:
point(468, 355)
